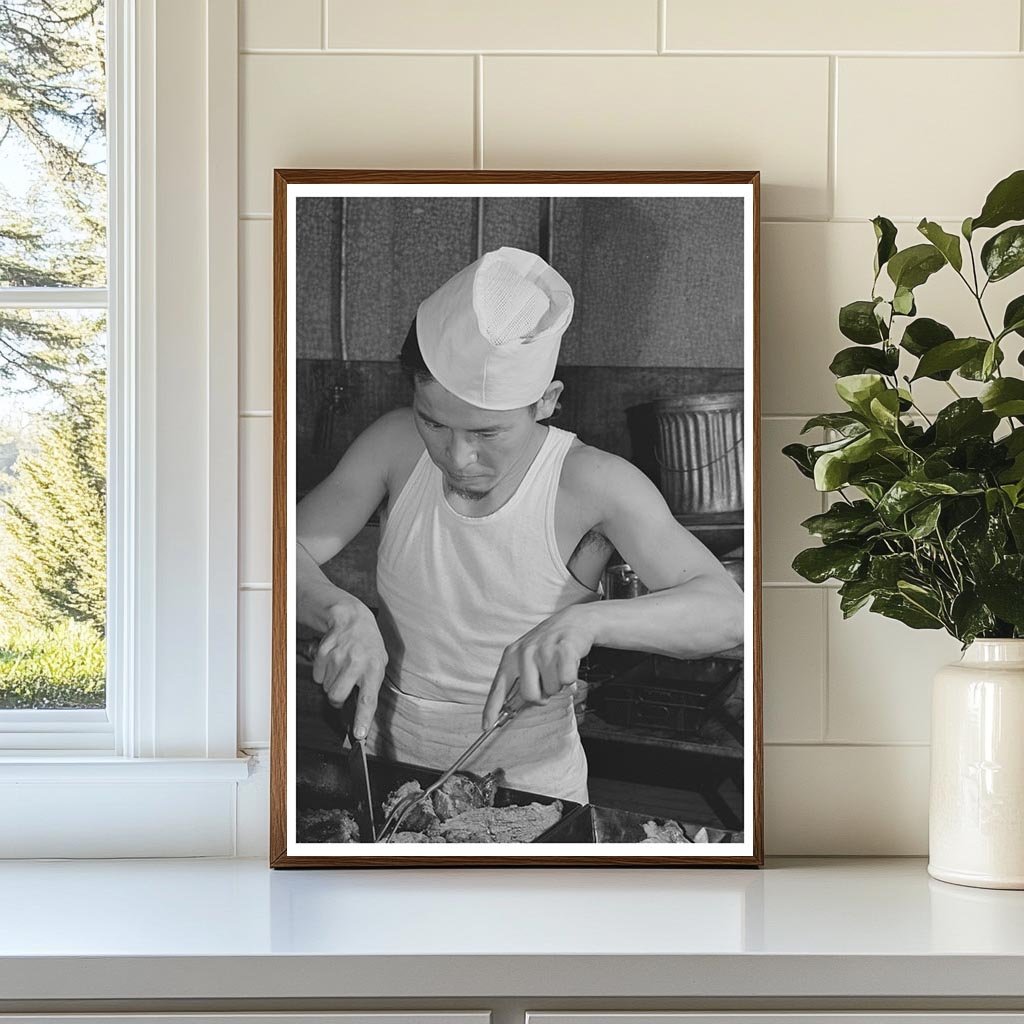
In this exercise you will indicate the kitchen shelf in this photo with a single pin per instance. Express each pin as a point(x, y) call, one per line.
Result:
point(199, 933)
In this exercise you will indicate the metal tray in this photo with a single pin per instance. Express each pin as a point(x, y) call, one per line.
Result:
point(323, 781)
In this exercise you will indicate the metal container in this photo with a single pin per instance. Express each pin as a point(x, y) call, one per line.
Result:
point(620, 581)
point(699, 448)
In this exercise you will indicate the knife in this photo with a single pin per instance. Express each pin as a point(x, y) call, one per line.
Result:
point(360, 774)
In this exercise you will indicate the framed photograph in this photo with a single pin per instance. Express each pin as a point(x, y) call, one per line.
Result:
point(516, 587)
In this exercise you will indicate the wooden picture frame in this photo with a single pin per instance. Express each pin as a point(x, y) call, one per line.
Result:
point(329, 298)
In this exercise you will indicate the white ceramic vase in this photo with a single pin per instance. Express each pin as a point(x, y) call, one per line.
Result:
point(976, 814)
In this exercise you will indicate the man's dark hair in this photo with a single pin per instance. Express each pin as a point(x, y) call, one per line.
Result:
point(411, 358)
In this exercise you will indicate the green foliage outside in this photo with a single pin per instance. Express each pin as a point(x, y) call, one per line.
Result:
point(928, 522)
point(52, 365)
point(59, 667)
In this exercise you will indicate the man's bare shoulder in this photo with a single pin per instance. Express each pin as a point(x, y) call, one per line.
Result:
point(394, 442)
point(395, 430)
point(590, 470)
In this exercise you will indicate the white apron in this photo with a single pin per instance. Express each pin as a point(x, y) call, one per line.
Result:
point(455, 591)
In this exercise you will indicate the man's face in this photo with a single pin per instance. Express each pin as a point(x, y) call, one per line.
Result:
point(474, 448)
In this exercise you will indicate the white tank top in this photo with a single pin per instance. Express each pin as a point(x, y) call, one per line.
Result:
point(456, 590)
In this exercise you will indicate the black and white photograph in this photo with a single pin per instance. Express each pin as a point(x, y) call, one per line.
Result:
point(516, 560)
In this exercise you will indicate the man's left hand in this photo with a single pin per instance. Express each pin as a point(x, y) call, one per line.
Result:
point(545, 660)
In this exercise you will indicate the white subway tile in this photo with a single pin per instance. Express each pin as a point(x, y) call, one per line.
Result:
point(680, 113)
point(255, 511)
point(471, 25)
point(793, 628)
point(846, 801)
point(787, 498)
point(269, 24)
point(351, 111)
point(255, 320)
point(879, 677)
point(879, 25)
point(926, 137)
point(809, 271)
point(254, 628)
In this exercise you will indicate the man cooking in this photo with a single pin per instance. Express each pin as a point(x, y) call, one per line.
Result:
point(495, 537)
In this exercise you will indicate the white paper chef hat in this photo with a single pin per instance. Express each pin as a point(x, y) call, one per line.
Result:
point(491, 334)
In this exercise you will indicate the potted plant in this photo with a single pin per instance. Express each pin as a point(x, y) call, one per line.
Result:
point(927, 521)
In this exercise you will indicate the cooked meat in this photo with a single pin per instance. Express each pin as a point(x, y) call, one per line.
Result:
point(421, 817)
point(465, 792)
point(667, 832)
point(512, 824)
point(326, 825)
point(462, 811)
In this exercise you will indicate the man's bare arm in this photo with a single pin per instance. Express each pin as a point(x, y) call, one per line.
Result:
point(351, 652)
point(695, 608)
point(331, 515)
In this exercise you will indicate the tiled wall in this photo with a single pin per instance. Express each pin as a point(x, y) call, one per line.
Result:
point(906, 109)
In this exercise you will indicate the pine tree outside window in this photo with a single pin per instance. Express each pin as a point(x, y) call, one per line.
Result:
point(53, 363)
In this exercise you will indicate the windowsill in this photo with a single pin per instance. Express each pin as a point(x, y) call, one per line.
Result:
point(79, 766)
point(813, 928)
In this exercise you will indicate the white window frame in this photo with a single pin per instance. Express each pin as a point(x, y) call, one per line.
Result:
point(169, 736)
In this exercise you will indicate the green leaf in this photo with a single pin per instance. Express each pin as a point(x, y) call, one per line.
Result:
point(966, 417)
point(1005, 202)
point(990, 360)
point(887, 570)
point(1003, 254)
point(834, 446)
point(840, 561)
point(885, 236)
point(974, 368)
point(950, 355)
point(1013, 318)
point(854, 595)
point(872, 491)
point(1015, 520)
point(864, 447)
point(903, 302)
point(912, 267)
point(925, 518)
point(965, 228)
point(1004, 397)
point(858, 389)
point(849, 361)
point(971, 617)
point(904, 495)
point(842, 521)
point(885, 409)
point(923, 335)
point(1005, 596)
point(831, 471)
point(799, 455)
point(899, 608)
point(841, 421)
point(947, 244)
point(857, 321)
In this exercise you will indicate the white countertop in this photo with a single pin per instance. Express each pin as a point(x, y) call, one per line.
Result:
point(234, 928)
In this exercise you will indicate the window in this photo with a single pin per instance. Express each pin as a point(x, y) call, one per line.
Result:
point(53, 368)
point(169, 292)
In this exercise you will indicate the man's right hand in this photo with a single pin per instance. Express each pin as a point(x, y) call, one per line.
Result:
point(352, 654)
